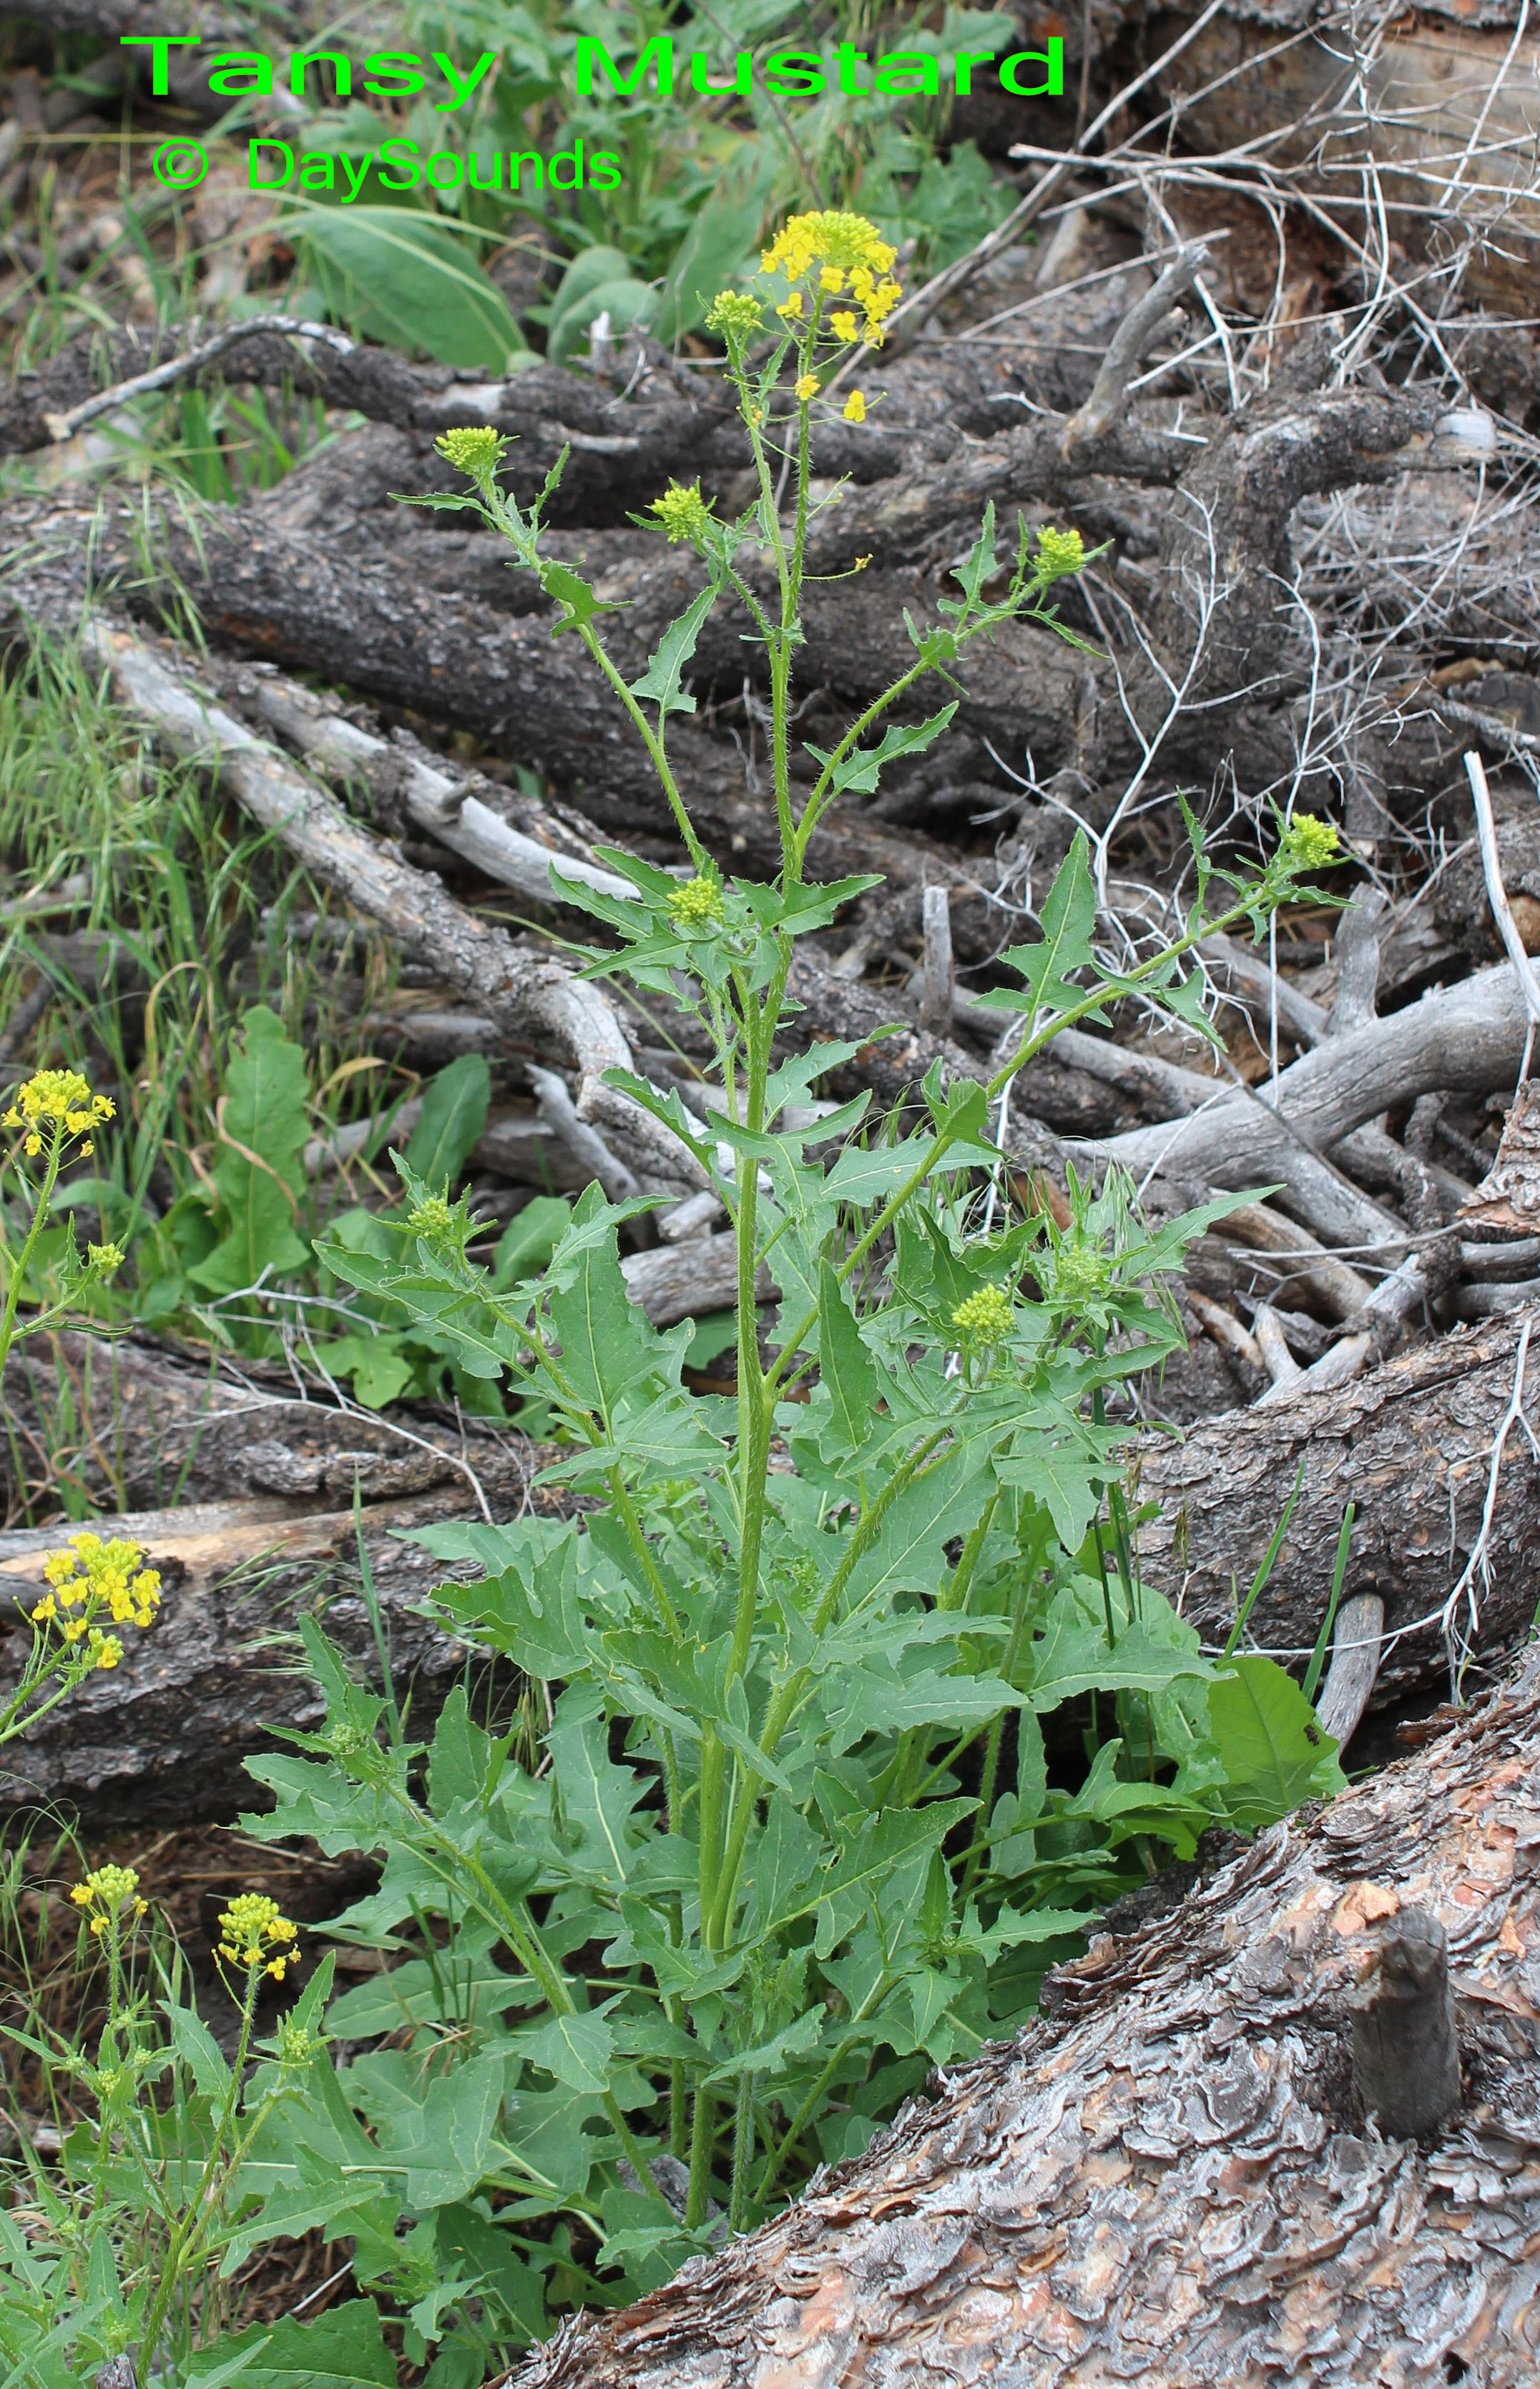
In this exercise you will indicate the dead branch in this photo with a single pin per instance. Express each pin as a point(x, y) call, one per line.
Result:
point(532, 999)
point(1470, 1037)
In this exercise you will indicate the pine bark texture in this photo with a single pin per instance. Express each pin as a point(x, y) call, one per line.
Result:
point(1169, 2179)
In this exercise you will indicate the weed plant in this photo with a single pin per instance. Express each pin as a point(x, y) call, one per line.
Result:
point(791, 1834)
point(793, 1813)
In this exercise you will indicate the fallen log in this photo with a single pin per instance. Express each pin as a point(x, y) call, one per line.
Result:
point(1171, 2178)
point(1412, 1445)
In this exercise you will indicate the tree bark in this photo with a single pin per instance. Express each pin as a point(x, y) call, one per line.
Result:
point(1169, 2179)
point(1411, 1443)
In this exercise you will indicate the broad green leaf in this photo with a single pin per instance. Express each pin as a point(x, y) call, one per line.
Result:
point(435, 2136)
point(882, 1844)
point(454, 1115)
point(1072, 1655)
point(402, 278)
point(625, 301)
point(845, 1371)
point(262, 1128)
point(772, 2057)
point(1272, 1747)
point(862, 767)
point(529, 1239)
point(580, 599)
point(663, 678)
point(378, 1368)
point(722, 233)
point(596, 1802)
point(1066, 945)
point(908, 1551)
point(198, 2051)
point(531, 1612)
point(345, 2348)
point(578, 2050)
point(608, 1346)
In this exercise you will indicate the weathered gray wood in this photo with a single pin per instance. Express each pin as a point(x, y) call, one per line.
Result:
point(1355, 1665)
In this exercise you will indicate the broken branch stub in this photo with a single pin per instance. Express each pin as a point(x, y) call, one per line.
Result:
point(1405, 2052)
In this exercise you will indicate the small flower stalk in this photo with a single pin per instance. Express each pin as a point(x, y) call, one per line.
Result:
point(92, 1585)
point(256, 1938)
point(110, 1895)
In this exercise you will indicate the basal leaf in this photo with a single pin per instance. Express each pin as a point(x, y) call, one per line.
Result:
point(454, 1115)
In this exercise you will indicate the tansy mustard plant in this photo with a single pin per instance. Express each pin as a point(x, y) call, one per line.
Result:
point(55, 1117)
point(256, 1936)
point(793, 1639)
point(92, 1586)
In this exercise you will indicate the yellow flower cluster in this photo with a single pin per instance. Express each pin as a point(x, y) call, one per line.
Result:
point(253, 1934)
point(683, 512)
point(106, 1892)
point(986, 1318)
point(92, 1580)
point(735, 314)
point(1308, 844)
point(838, 254)
point(1060, 553)
point(60, 1101)
point(696, 906)
point(475, 449)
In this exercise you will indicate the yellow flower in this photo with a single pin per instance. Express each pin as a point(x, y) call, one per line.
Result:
point(696, 906)
point(1308, 844)
point(94, 1577)
point(108, 1891)
point(472, 449)
point(832, 279)
point(807, 388)
point(843, 324)
point(791, 308)
point(61, 1102)
point(983, 1319)
point(854, 409)
point(683, 512)
point(826, 237)
point(253, 1934)
point(1060, 553)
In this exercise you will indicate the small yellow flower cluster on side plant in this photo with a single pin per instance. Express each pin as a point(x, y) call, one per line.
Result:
point(985, 1319)
point(108, 1894)
point(254, 1935)
point(683, 512)
point(93, 1579)
point(475, 449)
point(1308, 844)
point(55, 1105)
